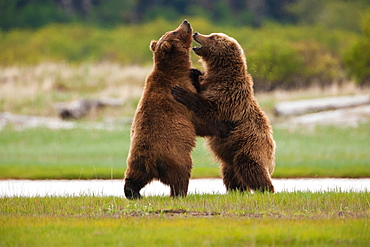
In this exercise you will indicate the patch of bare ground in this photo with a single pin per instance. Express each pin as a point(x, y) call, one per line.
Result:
point(182, 213)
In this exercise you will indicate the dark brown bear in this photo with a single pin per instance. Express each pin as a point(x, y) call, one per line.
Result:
point(226, 94)
point(163, 133)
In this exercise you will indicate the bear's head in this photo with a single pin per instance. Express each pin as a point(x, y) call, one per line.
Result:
point(173, 43)
point(218, 49)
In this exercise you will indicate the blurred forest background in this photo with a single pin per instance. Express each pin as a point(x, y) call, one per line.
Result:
point(288, 43)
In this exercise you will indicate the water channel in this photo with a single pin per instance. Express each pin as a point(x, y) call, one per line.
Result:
point(32, 188)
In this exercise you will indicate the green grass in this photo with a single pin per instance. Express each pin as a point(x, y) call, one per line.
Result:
point(80, 153)
point(75, 154)
point(284, 205)
point(282, 219)
point(323, 152)
point(48, 231)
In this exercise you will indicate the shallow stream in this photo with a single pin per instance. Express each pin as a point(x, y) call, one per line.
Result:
point(32, 188)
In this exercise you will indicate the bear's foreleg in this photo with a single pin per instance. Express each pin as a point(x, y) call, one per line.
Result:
point(194, 101)
point(206, 123)
point(195, 75)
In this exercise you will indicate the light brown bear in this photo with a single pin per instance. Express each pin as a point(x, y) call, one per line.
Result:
point(163, 133)
point(226, 94)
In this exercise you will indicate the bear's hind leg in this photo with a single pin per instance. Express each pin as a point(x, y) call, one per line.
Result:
point(132, 189)
point(175, 175)
point(136, 178)
point(230, 179)
point(180, 188)
point(253, 174)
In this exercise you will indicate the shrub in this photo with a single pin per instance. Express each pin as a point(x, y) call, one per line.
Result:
point(278, 56)
point(274, 64)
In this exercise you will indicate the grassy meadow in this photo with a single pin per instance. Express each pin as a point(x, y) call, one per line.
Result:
point(283, 219)
point(39, 69)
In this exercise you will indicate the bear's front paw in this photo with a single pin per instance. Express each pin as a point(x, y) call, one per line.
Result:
point(180, 94)
point(195, 75)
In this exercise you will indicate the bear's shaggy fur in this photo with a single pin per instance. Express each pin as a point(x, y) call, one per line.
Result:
point(163, 132)
point(226, 94)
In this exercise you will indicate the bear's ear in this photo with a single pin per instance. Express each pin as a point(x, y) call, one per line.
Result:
point(153, 45)
point(166, 46)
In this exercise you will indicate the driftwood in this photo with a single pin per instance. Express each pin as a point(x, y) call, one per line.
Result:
point(290, 108)
point(79, 108)
point(342, 117)
point(24, 122)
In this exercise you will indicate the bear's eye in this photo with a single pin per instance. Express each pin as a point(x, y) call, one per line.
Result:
point(174, 32)
point(212, 38)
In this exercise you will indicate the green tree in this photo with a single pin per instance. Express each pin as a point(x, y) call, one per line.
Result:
point(357, 59)
point(31, 13)
point(112, 12)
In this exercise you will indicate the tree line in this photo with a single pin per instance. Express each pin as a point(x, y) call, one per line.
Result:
point(316, 40)
point(110, 13)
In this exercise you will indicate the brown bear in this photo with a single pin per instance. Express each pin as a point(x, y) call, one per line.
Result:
point(226, 94)
point(163, 132)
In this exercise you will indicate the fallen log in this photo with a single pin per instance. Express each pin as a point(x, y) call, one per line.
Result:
point(21, 122)
point(79, 108)
point(291, 108)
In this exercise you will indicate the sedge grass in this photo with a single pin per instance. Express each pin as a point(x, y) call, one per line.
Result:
point(282, 219)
